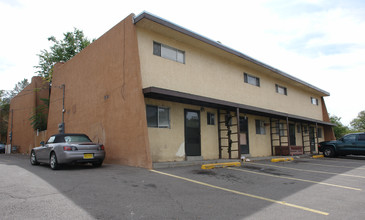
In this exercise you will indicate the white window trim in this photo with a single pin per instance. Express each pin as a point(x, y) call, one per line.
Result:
point(246, 77)
point(158, 117)
point(262, 128)
point(279, 88)
point(177, 51)
point(314, 101)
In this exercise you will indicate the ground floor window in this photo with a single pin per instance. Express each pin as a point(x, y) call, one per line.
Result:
point(158, 117)
point(299, 128)
point(210, 118)
point(319, 132)
point(260, 127)
point(280, 129)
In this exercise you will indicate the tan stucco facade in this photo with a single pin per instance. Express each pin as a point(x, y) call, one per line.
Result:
point(106, 85)
point(103, 97)
point(168, 144)
point(212, 73)
point(22, 107)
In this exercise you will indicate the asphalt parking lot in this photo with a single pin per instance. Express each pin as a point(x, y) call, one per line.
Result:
point(306, 188)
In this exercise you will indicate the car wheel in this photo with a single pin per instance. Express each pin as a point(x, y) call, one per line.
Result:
point(97, 164)
point(33, 159)
point(328, 152)
point(53, 162)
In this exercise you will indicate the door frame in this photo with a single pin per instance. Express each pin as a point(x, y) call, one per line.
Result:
point(247, 135)
point(292, 129)
point(200, 136)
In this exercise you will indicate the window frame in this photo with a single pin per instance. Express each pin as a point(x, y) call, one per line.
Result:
point(210, 118)
point(361, 137)
point(348, 138)
point(285, 90)
point(305, 129)
point(158, 116)
point(246, 77)
point(299, 128)
point(314, 101)
point(49, 141)
point(319, 132)
point(260, 126)
point(158, 49)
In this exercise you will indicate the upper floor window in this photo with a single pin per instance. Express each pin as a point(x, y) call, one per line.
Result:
point(251, 80)
point(168, 52)
point(158, 117)
point(281, 90)
point(314, 101)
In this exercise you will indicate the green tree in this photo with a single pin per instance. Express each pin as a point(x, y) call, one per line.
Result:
point(4, 115)
point(40, 116)
point(340, 129)
point(61, 51)
point(359, 123)
point(17, 89)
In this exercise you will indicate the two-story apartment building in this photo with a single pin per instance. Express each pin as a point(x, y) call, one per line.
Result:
point(152, 91)
point(192, 85)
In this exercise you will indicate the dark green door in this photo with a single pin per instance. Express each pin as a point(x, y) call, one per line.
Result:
point(192, 133)
point(292, 135)
point(312, 139)
point(245, 149)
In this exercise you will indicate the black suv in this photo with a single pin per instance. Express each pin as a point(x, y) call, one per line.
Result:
point(348, 144)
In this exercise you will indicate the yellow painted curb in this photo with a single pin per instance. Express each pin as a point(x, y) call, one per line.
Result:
point(317, 156)
point(282, 159)
point(215, 165)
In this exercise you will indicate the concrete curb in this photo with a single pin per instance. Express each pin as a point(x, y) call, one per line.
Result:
point(282, 159)
point(317, 156)
point(217, 165)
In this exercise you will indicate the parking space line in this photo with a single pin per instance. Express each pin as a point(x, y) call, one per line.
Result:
point(297, 179)
point(244, 194)
point(312, 171)
point(329, 165)
point(345, 160)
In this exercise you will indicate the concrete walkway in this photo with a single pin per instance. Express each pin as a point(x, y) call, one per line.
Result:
point(201, 162)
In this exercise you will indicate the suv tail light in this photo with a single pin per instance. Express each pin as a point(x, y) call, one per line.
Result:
point(101, 147)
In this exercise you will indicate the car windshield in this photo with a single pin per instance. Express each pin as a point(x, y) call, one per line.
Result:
point(76, 138)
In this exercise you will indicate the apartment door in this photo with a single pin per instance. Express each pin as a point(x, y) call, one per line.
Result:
point(312, 139)
point(292, 135)
point(245, 149)
point(192, 133)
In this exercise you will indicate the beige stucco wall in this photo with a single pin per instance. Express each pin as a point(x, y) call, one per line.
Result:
point(213, 73)
point(260, 144)
point(168, 144)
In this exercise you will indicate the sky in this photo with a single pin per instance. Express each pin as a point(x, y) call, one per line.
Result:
point(319, 41)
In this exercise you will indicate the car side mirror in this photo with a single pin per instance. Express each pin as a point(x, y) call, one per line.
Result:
point(42, 143)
